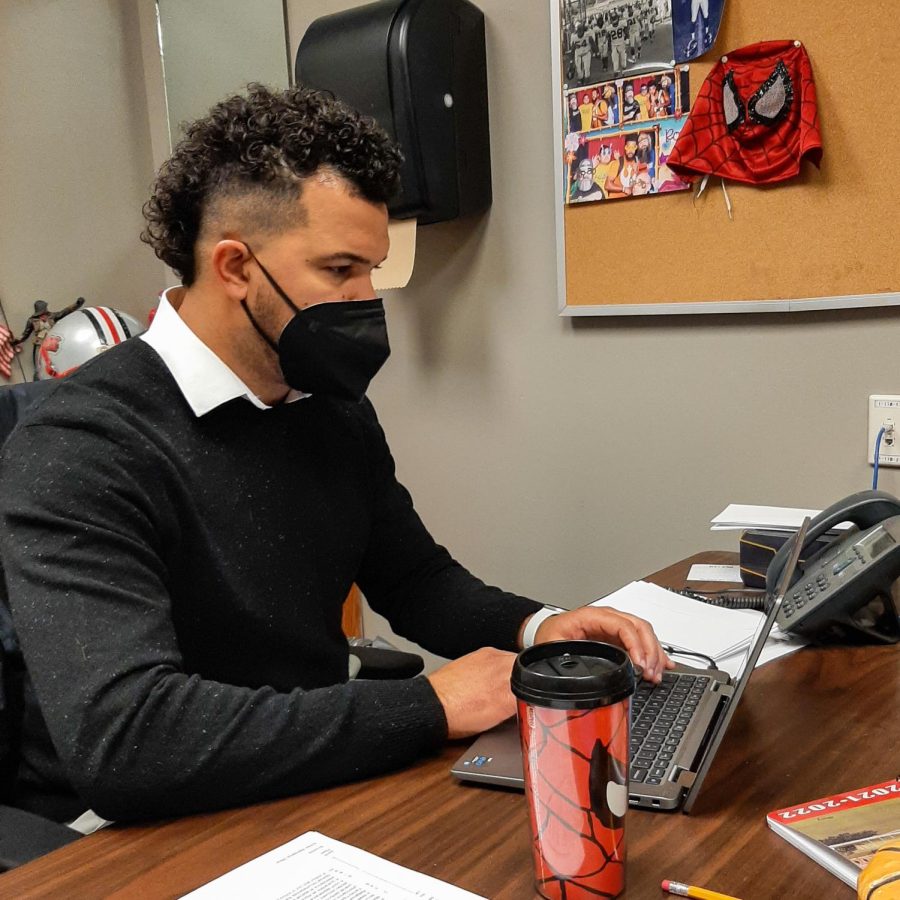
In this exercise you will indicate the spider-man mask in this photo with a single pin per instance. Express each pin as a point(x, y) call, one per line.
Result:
point(754, 119)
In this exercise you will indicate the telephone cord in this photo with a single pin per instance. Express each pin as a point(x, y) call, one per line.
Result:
point(877, 454)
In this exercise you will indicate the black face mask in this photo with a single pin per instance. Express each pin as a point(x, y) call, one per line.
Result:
point(331, 348)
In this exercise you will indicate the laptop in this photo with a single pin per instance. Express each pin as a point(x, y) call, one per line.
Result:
point(676, 726)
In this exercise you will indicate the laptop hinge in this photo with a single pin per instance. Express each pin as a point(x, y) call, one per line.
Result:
point(684, 778)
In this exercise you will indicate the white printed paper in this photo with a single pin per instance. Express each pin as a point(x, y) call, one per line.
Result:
point(731, 574)
point(315, 867)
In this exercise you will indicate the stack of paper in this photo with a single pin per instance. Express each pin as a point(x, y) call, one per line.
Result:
point(776, 518)
point(722, 634)
point(684, 623)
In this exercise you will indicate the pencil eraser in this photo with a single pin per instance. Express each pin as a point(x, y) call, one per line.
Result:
point(665, 884)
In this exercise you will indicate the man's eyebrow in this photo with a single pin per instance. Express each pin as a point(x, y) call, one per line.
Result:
point(349, 257)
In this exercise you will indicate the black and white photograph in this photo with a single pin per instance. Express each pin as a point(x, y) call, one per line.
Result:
point(606, 39)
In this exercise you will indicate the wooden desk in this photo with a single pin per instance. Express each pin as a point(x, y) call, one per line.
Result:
point(814, 723)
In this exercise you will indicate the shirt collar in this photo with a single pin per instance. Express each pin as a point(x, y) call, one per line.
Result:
point(201, 376)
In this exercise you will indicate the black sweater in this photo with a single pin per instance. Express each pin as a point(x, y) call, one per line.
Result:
point(177, 585)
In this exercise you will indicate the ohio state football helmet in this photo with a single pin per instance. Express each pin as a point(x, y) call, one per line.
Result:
point(80, 336)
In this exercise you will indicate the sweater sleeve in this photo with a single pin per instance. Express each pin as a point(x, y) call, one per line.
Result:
point(416, 585)
point(138, 736)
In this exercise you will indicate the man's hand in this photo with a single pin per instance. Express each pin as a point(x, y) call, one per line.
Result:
point(474, 691)
point(602, 623)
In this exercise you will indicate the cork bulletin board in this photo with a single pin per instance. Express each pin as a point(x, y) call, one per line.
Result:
point(829, 238)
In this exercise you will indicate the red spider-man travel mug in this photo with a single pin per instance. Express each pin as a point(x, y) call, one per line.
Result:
point(573, 707)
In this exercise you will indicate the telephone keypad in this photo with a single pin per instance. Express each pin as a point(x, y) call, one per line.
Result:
point(805, 594)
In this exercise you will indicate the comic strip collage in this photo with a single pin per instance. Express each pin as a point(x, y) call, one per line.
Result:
point(624, 100)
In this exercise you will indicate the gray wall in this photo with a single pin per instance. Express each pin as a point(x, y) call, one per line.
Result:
point(212, 48)
point(556, 458)
point(564, 458)
point(75, 161)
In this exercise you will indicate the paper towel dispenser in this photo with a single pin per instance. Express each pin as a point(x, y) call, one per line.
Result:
point(418, 68)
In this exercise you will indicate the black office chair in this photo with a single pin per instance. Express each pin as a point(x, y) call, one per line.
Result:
point(15, 399)
point(23, 835)
point(380, 660)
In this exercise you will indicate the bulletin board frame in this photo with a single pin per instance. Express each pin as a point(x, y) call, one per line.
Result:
point(830, 252)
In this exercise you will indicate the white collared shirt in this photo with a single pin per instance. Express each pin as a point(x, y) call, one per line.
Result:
point(201, 376)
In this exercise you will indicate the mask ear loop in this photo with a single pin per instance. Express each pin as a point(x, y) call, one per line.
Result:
point(246, 308)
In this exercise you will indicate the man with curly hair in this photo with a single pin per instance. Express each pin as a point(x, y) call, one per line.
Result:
point(176, 572)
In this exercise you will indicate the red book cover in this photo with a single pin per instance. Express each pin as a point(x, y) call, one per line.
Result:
point(843, 831)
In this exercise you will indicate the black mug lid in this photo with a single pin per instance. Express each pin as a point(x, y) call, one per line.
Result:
point(573, 675)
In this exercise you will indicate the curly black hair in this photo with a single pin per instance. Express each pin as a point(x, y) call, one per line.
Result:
point(259, 147)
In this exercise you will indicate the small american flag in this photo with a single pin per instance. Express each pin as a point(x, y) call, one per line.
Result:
point(6, 352)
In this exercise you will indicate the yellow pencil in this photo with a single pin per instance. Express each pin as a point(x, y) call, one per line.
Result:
point(697, 893)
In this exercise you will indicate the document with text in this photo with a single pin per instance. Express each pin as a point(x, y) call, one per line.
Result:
point(729, 574)
point(315, 867)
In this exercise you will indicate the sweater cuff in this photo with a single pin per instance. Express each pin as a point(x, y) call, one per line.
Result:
point(408, 715)
point(507, 622)
point(434, 711)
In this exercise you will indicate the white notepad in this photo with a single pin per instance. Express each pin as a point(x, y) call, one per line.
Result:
point(685, 623)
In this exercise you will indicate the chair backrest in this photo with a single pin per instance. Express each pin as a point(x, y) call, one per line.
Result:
point(23, 835)
point(12, 675)
point(14, 401)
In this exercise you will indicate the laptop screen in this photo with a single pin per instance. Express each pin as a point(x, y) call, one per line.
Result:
point(756, 648)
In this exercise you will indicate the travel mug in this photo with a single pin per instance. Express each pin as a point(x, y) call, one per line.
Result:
point(573, 708)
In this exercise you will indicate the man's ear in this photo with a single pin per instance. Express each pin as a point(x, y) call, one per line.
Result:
point(228, 262)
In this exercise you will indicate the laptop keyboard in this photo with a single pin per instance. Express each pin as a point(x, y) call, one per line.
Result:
point(660, 714)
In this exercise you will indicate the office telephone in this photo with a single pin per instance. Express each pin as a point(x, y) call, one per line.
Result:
point(843, 592)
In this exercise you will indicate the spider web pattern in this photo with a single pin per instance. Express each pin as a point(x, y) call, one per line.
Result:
point(753, 153)
point(571, 756)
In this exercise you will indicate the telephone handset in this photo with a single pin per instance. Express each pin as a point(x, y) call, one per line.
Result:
point(844, 591)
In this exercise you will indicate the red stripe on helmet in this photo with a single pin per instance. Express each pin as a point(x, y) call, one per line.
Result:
point(109, 324)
